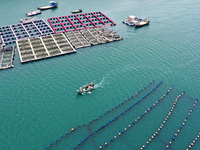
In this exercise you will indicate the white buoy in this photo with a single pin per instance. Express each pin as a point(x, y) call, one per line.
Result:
point(106, 143)
point(100, 147)
point(115, 137)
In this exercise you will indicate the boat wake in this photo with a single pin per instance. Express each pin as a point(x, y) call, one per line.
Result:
point(112, 73)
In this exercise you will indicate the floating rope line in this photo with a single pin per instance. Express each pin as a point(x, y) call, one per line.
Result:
point(183, 124)
point(115, 118)
point(73, 129)
point(193, 142)
point(162, 125)
point(136, 120)
point(132, 97)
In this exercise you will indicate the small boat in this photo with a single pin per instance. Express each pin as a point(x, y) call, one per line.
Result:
point(143, 22)
point(52, 5)
point(77, 11)
point(86, 88)
point(33, 13)
point(27, 20)
point(131, 20)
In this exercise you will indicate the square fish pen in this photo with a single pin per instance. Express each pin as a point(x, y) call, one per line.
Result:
point(6, 59)
point(43, 47)
point(9, 34)
point(79, 22)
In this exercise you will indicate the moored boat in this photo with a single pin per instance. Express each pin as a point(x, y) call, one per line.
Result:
point(86, 88)
point(27, 20)
point(52, 5)
point(131, 20)
point(143, 22)
point(77, 11)
point(33, 13)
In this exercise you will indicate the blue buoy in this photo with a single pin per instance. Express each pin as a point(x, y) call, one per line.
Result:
point(79, 143)
point(50, 143)
point(84, 124)
point(111, 139)
point(65, 133)
point(173, 138)
point(61, 136)
point(56, 140)
point(45, 146)
point(180, 127)
point(132, 122)
point(100, 116)
point(122, 131)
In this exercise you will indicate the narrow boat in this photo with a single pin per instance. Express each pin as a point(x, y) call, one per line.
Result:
point(27, 20)
point(143, 22)
point(52, 5)
point(86, 88)
point(77, 11)
point(33, 13)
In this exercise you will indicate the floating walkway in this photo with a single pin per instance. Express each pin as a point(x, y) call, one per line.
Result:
point(90, 37)
point(43, 47)
point(79, 21)
point(9, 34)
point(6, 58)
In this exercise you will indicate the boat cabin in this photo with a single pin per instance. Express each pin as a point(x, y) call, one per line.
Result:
point(52, 3)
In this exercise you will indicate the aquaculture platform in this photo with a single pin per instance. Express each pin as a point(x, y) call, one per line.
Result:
point(79, 21)
point(9, 34)
point(92, 36)
point(43, 47)
point(6, 59)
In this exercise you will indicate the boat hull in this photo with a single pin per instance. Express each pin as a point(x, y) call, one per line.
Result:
point(77, 11)
point(81, 92)
point(140, 25)
point(29, 14)
point(47, 7)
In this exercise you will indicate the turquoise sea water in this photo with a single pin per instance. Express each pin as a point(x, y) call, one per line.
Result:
point(38, 100)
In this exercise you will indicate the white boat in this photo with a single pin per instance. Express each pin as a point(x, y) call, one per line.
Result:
point(52, 5)
point(27, 20)
point(86, 88)
point(33, 13)
point(132, 20)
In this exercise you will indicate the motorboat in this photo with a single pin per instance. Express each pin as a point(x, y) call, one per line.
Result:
point(52, 5)
point(143, 22)
point(86, 88)
point(77, 11)
point(33, 13)
point(132, 20)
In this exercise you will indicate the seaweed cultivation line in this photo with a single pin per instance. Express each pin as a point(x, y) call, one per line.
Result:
point(183, 124)
point(73, 129)
point(162, 125)
point(193, 142)
point(136, 120)
point(116, 117)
